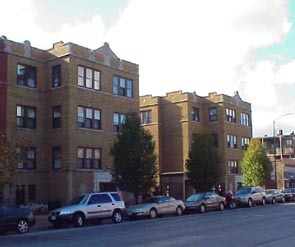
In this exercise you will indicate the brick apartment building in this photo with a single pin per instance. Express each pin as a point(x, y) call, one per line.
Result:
point(176, 117)
point(280, 150)
point(63, 106)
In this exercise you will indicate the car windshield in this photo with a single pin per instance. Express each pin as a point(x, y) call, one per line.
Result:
point(151, 200)
point(78, 200)
point(245, 190)
point(270, 192)
point(196, 197)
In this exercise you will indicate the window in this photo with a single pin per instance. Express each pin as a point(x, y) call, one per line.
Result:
point(56, 117)
point(289, 142)
point(27, 157)
point(244, 119)
point(99, 198)
point(215, 140)
point(89, 158)
point(118, 121)
point(32, 192)
point(56, 75)
point(195, 114)
point(26, 75)
point(26, 117)
point(212, 114)
point(122, 87)
point(88, 78)
point(89, 118)
point(232, 167)
point(146, 117)
point(56, 157)
point(230, 115)
point(231, 141)
point(245, 143)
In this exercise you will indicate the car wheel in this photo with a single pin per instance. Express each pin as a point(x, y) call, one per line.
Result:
point(263, 201)
point(22, 226)
point(202, 209)
point(78, 220)
point(273, 200)
point(221, 206)
point(283, 200)
point(153, 213)
point(250, 204)
point(178, 211)
point(117, 216)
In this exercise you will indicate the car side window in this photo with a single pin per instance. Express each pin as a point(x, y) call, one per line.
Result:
point(116, 197)
point(99, 198)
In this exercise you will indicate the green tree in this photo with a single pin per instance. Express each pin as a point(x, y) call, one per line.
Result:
point(134, 160)
point(255, 165)
point(9, 159)
point(203, 164)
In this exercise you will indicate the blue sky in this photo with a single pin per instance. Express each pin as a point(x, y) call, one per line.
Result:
point(204, 46)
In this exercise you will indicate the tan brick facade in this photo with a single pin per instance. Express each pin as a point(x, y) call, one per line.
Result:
point(172, 127)
point(63, 183)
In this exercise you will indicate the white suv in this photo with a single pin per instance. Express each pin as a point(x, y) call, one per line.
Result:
point(94, 206)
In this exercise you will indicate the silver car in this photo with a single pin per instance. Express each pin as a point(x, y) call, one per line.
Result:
point(156, 205)
point(274, 195)
point(250, 195)
point(94, 206)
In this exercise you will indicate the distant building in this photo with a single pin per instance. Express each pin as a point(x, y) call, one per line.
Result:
point(176, 117)
point(281, 152)
point(64, 106)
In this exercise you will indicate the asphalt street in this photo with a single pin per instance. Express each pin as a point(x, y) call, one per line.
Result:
point(260, 226)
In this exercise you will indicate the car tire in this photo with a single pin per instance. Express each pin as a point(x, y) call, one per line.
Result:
point(263, 202)
point(283, 200)
point(273, 200)
point(221, 206)
point(179, 211)
point(203, 208)
point(117, 216)
point(79, 220)
point(22, 226)
point(250, 204)
point(153, 213)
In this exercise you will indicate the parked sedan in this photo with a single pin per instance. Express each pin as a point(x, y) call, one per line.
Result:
point(16, 219)
point(204, 201)
point(289, 194)
point(156, 205)
point(273, 196)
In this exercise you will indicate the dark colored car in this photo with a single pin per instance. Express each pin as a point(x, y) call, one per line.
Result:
point(274, 195)
point(289, 194)
point(205, 201)
point(17, 219)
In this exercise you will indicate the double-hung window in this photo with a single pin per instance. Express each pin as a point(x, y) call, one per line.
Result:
point(88, 78)
point(244, 119)
point(56, 117)
point(56, 75)
point(122, 87)
point(232, 167)
point(26, 75)
point(89, 118)
point(245, 143)
point(232, 141)
point(118, 120)
point(230, 115)
point(56, 157)
point(26, 117)
point(195, 114)
point(213, 114)
point(27, 158)
point(146, 117)
point(89, 158)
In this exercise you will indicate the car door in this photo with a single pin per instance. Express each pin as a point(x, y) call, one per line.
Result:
point(209, 200)
point(99, 206)
point(163, 205)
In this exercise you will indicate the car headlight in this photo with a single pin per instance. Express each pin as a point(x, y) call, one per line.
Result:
point(65, 211)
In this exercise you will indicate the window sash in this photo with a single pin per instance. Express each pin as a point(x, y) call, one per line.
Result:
point(89, 158)
point(26, 117)
point(56, 75)
point(88, 78)
point(26, 75)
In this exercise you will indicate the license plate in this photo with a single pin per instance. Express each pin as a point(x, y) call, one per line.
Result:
point(53, 217)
